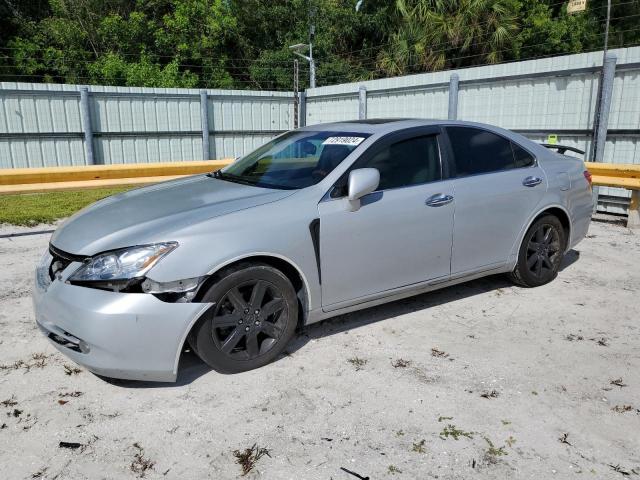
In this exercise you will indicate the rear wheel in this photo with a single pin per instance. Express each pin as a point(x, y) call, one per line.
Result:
point(541, 253)
point(253, 319)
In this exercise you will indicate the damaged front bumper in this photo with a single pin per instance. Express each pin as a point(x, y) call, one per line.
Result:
point(132, 336)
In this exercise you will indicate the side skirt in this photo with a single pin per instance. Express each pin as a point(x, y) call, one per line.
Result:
point(319, 314)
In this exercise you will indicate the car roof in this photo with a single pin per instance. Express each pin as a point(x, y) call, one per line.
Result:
point(387, 125)
point(382, 126)
point(377, 125)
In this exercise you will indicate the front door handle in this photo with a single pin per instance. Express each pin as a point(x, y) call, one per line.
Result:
point(531, 181)
point(438, 200)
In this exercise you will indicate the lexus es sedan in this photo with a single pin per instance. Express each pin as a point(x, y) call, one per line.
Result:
point(320, 221)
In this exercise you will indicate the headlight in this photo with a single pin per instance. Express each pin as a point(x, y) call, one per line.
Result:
point(121, 265)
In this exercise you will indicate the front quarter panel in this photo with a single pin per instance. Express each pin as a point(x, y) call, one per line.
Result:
point(279, 229)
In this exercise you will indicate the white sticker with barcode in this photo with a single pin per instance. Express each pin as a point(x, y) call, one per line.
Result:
point(351, 141)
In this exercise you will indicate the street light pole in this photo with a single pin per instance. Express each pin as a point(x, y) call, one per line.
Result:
point(296, 95)
point(312, 68)
point(312, 64)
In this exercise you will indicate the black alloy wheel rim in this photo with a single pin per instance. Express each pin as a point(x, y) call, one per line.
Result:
point(543, 251)
point(249, 320)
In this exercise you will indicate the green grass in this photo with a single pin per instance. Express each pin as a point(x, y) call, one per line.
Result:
point(34, 208)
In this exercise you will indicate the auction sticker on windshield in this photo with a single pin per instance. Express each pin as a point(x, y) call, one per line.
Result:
point(351, 141)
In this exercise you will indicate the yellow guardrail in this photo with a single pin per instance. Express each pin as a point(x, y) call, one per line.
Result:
point(622, 175)
point(32, 180)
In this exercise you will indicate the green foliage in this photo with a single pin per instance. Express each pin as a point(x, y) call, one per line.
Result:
point(244, 43)
point(545, 32)
point(451, 431)
point(437, 34)
point(113, 69)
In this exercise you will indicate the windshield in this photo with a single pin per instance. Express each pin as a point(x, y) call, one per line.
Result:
point(294, 160)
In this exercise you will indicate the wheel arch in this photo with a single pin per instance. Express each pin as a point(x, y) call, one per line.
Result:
point(292, 271)
point(554, 209)
point(562, 215)
point(289, 268)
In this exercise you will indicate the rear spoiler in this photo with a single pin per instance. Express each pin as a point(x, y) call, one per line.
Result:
point(562, 148)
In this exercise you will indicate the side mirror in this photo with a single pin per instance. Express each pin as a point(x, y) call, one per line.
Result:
point(362, 182)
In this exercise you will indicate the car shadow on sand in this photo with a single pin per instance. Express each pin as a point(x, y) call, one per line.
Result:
point(191, 367)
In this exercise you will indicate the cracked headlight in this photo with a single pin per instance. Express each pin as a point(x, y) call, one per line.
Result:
point(117, 268)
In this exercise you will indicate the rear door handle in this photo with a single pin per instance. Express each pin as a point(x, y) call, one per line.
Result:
point(531, 181)
point(438, 200)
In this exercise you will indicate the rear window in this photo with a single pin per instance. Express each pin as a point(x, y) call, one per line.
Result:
point(479, 151)
point(522, 158)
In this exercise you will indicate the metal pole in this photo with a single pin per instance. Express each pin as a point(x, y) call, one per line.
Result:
point(312, 34)
point(597, 118)
point(296, 96)
point(303, 109)
point(204, 122)
point(85, 113)
point(606, 31)
point(362, 102)
point(312, 68)
point(454, 81)
point(608, 74)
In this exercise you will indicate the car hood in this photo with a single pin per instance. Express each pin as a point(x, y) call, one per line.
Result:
point(156, 213)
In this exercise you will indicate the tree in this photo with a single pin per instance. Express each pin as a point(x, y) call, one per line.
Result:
point(244, 43)
point(438, 34)
point(265, 32)
point(179, 43)
point(547, 30)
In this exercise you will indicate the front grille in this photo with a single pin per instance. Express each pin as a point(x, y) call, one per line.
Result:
point(61, 260)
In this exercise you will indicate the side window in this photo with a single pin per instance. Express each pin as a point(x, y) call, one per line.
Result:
point(521, 156)
point(408, 162)
point(478, 151)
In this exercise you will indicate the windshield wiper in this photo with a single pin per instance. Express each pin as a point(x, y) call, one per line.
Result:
point(244, 181)
point(230, 178)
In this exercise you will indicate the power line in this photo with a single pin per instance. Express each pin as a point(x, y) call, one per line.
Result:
point(523, 59)
point(372, 61)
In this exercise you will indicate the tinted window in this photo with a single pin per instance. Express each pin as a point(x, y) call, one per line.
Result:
point(521, 157)
point(409, 162)
point(478, 151)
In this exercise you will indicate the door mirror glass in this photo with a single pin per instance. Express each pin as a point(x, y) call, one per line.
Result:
point(362, 182)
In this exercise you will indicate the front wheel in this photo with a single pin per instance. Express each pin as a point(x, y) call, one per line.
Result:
point(541, 253)
point(254, 316)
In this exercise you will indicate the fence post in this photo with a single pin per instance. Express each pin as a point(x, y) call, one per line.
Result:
point(634, 210)
point(204, 121)
point(302, 109)
point(362, 102)
point(454, 81)
point(85, 114)
point(601, 121)
point(603, 109)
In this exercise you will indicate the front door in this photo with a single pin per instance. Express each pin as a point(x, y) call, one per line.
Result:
point(401, 234)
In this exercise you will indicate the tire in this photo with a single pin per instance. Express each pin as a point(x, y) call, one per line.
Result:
point(232, 337)
point(541, 253)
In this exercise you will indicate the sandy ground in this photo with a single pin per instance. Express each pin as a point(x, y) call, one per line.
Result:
point(482, 380)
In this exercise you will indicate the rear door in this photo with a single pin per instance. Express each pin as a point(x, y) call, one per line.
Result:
point(498, 186)
point(401, 235)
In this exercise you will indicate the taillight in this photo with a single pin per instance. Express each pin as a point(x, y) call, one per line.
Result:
point(587, 175)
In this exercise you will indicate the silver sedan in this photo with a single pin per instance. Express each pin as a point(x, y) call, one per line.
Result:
point(320, 221)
